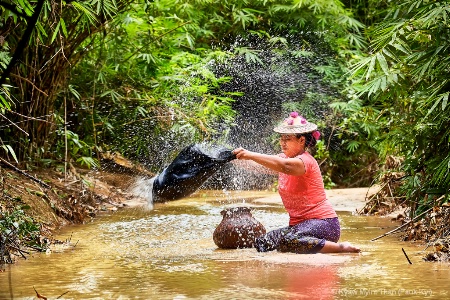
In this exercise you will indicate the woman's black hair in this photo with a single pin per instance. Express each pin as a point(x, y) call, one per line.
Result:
point(310, 141)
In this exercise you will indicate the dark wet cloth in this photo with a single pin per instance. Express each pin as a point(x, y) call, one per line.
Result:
point(306, 237)
point(188, 171)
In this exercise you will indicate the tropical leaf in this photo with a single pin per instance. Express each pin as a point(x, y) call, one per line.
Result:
point(352, 146)
point(10, 150)
point(251, 55)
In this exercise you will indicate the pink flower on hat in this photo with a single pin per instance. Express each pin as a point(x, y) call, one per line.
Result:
point(294, 114)
point(290, 122)
point(316, 134)
point(303, 121)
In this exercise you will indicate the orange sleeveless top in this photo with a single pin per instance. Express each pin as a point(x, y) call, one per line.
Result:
point(304, 196)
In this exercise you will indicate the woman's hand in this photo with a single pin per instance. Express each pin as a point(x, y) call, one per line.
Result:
point(242, 153)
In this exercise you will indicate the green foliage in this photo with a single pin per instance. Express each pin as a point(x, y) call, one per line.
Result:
point(17, 225)
point(322, 155)
point(33, 73)
point(181, 99)
point(405, 80)
point(5, 58)
point(152, 74)
point(144, 70)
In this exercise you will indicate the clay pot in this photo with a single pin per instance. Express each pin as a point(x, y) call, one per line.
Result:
point(238, 229)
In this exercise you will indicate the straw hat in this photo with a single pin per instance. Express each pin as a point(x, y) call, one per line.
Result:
point(295, 124)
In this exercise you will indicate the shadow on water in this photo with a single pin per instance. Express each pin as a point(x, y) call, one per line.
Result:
point(169, 253)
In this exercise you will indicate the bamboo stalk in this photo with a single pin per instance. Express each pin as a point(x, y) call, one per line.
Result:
point(65, 139)
point(21, 45)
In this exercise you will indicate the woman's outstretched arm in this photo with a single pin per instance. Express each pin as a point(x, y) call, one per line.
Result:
point(290, 166)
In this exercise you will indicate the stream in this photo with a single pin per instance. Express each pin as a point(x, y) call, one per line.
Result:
point(168, 253)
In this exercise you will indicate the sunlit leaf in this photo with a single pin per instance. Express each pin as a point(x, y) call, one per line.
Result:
point(10, 150)
point(55, 33)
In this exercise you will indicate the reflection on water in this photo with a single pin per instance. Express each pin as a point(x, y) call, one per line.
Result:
point(169, 253)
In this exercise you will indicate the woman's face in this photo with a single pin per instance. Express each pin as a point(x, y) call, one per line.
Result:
point(292, 145)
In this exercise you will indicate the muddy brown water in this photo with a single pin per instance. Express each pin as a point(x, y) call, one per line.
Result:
point(169, 253)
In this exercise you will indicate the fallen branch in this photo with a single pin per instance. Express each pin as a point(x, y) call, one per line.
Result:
point(400, 227)
point(24, 174)
point(38, 295)
point(370, 199)
point(14, 124)
point(20, 251)
point(62, 295)
point(407, 223)
point(374, 195)
point(406, 256)
point(32, 118)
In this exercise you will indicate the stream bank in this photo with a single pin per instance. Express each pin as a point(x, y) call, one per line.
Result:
point(33, 207)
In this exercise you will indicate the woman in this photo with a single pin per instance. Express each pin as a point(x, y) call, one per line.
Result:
point(313, 223)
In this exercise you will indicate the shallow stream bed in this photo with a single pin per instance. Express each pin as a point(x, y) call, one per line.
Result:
point(169, 253)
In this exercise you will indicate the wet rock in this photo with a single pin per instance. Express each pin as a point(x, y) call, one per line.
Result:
point(238, 229)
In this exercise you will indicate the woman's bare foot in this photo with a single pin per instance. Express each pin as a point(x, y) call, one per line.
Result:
point(347, 247)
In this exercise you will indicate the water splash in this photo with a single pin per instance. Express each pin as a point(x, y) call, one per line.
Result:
point(142, 187)
point(284, 77)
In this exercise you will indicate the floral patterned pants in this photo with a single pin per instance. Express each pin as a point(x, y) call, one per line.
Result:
point(306, 237)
